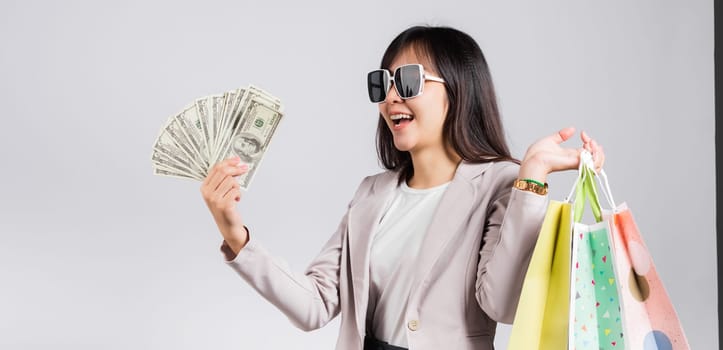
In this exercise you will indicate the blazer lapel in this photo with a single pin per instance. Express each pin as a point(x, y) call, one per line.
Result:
point(451, 213)
point(364, 218)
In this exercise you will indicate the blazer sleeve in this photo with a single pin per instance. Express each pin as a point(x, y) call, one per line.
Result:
point(309, 299)
point(513, 222)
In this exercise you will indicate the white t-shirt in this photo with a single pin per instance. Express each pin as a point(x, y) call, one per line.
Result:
point(395, 245)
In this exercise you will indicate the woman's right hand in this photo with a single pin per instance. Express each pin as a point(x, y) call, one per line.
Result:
point(221, 192)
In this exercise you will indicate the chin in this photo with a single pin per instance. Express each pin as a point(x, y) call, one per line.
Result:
point(403, 146)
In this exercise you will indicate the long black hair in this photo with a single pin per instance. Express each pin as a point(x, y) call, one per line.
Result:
point(472, 125)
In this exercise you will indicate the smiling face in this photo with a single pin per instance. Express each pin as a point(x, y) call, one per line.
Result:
point(416, 123)
point(474, 129)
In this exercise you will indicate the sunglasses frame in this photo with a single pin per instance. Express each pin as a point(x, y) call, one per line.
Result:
point(389, 79)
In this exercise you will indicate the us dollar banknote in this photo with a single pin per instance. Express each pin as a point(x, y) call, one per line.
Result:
point(252, 137)
point(241, 122)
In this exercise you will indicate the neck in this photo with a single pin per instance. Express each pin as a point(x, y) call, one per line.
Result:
point(433, 167)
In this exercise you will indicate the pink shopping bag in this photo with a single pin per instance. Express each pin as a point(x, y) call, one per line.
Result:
point(649, 318)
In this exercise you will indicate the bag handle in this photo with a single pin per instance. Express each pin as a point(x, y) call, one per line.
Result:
point(602, 178)
point(584, 189)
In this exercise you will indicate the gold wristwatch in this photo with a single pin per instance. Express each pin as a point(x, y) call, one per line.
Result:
point(530, 186)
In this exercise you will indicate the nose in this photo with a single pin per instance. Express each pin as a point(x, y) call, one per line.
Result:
point(392, 95)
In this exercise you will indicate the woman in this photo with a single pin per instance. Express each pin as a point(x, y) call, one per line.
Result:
point(432, 252)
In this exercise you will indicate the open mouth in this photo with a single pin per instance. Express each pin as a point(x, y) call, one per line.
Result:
point(399, 119)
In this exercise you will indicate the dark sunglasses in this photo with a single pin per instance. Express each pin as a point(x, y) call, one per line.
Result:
point(408, 80)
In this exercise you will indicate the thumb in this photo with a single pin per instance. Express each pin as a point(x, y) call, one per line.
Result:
point(565, 134)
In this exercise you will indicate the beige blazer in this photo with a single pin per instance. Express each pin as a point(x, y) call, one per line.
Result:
point(470, 266)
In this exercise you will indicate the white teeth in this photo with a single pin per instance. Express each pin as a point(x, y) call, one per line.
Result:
point(400, 116)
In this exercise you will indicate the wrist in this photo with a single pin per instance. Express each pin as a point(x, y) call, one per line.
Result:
point(531, 186)
point(533, 169)
point(238, 239)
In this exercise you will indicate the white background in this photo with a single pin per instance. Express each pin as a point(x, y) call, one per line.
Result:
point(97, 253)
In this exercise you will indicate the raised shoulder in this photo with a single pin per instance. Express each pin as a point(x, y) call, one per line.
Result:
point(497, 179)
point(506, 171)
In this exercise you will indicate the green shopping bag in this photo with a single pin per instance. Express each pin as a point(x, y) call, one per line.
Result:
point(595, 304)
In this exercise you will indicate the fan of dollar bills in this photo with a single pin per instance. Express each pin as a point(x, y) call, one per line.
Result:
point(240, 122)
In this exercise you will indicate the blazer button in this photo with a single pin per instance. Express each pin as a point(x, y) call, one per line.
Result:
point(413, 325)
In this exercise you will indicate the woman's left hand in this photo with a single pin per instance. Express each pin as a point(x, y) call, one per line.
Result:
point(547, 155)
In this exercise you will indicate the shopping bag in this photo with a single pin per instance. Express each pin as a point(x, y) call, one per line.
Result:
point(591, 287)
point(541, 319)
point(596, 322)
point(559, 305)
point(649, 318)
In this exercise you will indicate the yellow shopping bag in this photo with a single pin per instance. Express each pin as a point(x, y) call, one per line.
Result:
point(541, 321)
